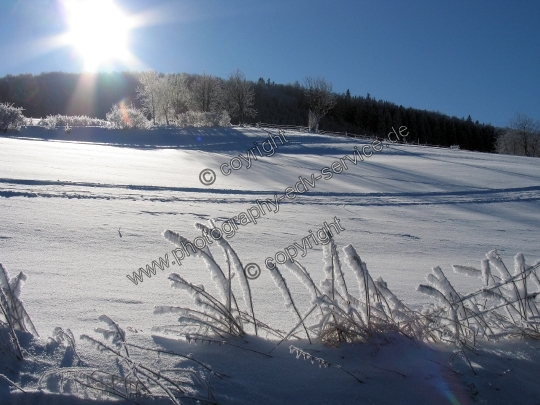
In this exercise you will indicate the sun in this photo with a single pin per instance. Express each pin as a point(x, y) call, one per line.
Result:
point(98, 31)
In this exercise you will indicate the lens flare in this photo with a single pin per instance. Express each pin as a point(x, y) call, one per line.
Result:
point(123, 111)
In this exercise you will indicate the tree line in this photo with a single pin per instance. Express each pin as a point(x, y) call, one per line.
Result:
point(162, 97)
point(68, 93)
point(287, 104)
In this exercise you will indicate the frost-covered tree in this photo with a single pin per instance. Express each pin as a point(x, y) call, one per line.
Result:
point(320, 99)
point(165, 100)
point(148, 94)
point(206, 94)
point(163, 97)
point(10, 117)
point(507, 142)
point(239, 97)
point(528, 133)
point(522, 137)
point(173, 96)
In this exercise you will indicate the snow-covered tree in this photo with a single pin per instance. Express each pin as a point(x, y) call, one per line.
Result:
point(528, 133)
point(173, 96)
point(320, 98)
point(522, 137)
point(163, 97)
point(507, 142)
point(239, 97)
point(10, 117)
point(206, 94)
point(165, 100)
point(148, 94)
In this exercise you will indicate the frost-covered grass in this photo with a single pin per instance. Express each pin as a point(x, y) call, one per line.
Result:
point(506, 306)
point(14, 317)
point(132, 378)
point(216, 316)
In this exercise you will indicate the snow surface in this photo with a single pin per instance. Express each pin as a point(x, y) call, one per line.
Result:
point(78, 216)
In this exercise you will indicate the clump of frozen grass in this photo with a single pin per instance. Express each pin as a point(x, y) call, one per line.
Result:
point(342, 317)
point(216, 315)
point(506, 306)
point(132, 379)
point(14, 317)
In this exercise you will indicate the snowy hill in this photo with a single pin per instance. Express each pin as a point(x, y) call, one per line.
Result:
point(78, 217)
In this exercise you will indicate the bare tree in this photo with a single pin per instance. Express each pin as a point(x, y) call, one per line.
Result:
point(172, 97)
point(527, 131)
point(521, 138)
point(320, 98)
point(206, 94)
point(239, 97)
point(178, 93)
point(507, 142)
point(163, 97)
point(148, 93)
point(165, 110)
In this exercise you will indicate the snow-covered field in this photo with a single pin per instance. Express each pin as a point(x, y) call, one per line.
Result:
point(78, 217)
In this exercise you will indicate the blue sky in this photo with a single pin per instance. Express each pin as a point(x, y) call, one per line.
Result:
point(478, 58)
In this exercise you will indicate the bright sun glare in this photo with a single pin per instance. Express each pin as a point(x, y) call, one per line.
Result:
point(98, 30)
